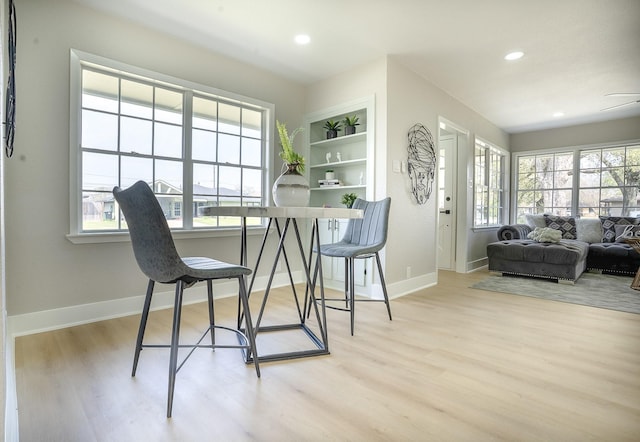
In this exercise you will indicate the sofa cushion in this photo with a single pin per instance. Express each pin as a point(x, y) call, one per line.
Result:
point(589, 230)
point(535, 220)
point(625, 232)
point(609, 224)
point(545, 234)
point(565, 224)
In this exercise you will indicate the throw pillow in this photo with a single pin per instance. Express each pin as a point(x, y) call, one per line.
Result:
point(624, 233)
point(565, 224)
point(609, 224)
point(535, 220)
point(545, 234)
point(589, 230)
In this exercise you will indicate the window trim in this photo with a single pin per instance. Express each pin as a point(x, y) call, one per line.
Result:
point(79, 58)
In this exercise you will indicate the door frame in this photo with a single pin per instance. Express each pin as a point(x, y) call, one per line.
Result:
point(460, 179)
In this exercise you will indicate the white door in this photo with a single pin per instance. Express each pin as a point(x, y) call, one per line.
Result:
point(447, 155)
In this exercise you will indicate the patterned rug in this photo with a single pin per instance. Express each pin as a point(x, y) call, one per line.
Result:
point(592, 289)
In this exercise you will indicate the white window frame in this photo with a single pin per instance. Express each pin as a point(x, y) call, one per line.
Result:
point(77, 60)
point(575, 150)
point(502, 189)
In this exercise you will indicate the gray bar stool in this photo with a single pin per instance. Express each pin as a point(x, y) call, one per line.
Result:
point(363, 238)
point(158, 259)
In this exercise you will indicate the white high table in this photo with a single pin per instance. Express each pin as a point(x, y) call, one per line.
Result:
point(290, 216)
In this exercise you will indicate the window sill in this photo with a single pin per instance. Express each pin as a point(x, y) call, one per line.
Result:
point(113, 237)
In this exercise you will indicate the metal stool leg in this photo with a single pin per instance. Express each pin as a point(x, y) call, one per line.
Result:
point(143, 325)
point(249, 324)
point(352, 292)
point(212, 321)
point(384, 285)
point(175, 341)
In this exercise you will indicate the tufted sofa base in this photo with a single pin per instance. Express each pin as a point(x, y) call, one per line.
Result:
point(564, 261)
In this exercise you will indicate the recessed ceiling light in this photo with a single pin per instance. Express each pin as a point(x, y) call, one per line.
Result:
point(302, 39)
point(558, 114)
point(515, 55)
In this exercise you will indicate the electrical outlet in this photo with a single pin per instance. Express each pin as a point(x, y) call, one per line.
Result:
point(408, 272)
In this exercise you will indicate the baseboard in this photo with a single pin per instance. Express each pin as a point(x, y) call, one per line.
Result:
point(408, 286)
point(477, 264)
point(47, 320)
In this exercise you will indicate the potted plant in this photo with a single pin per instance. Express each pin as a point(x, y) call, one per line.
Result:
point(329, 174)
point(332, 128)
point(291, 158)
point(291, 189)
point(348, 199)
point(350, 124)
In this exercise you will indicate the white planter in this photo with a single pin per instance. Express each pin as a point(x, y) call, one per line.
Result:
point(291, 189)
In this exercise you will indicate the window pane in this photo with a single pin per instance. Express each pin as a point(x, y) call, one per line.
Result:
point(228, 118)
point(99, 130)
point(252, 183)
point(167, 140)
point(168, 177)
point(204, 179)
point(135, 169)
point(251, 123)
point(99, 91)
point(137, 99)
point(563, 179)
point(98, 211)
point(229, 181)
point(203, 145)
point(589, 178)
point(168, 106)
point(99, 171)
point(135, 135)
point(251, 152)
point(205, 114)
point(228, 149)
point(613, 157)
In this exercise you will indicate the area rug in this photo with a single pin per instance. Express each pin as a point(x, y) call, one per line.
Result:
point(592, 289)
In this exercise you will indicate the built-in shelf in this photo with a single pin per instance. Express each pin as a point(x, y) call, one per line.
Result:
point(357, 186)
point(344, 139)
point(336, 164)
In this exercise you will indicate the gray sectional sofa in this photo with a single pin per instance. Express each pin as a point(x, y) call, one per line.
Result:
point(596, 244)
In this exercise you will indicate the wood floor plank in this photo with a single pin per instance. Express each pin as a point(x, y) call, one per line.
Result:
point(455, 363)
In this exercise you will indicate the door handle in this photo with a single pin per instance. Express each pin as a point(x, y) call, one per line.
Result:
point(447, 211)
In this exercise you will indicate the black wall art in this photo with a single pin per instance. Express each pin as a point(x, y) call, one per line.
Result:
point(421, 162)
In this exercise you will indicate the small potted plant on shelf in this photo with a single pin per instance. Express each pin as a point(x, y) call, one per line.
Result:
point(350, 124)
point(332, 128)
point(348, 199)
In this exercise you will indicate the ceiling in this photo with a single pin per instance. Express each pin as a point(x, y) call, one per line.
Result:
point(576, 51)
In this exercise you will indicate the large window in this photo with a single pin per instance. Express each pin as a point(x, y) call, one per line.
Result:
point(194, 147)
point(580, 182)
point(489, 183)
point(544, 184)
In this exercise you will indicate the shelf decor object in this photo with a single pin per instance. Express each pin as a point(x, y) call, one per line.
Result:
point(332, 127)
point(291, 189)
point(350, 124)
point(421, 162)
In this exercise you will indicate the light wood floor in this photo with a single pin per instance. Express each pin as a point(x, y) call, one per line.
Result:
point(455, 364)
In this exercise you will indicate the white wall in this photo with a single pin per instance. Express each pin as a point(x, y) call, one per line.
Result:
point(581, 135)
point(44, 270)
point(403, 99)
